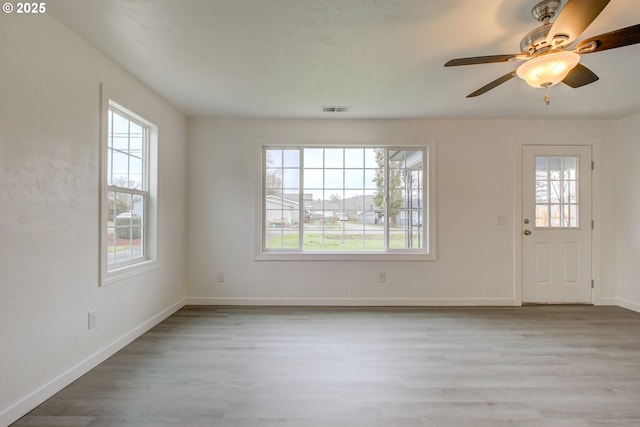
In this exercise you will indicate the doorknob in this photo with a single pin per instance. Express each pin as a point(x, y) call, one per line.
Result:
point(527, 232)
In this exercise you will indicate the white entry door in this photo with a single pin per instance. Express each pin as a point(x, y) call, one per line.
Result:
point(556, 224)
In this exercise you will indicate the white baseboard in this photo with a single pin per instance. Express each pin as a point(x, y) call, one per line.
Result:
point(353, 302)
point(629, 305)
point(607, 301)
point(35, 398)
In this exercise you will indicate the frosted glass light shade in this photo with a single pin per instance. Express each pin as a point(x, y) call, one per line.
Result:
point(549, 69)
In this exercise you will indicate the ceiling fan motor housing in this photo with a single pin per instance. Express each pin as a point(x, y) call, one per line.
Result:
point(535, 41)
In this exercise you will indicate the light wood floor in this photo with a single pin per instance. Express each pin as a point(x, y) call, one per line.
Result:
point(564, 366)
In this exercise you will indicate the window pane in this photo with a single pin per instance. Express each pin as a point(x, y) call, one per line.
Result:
point(542, 192)
point(370, 178)
point(354, 178)
point(313, 158)
point(291, 178)
point(571, 195)
point(279, 234)
point(273, 240)
point(273, 178)
point(541, 167)
point(374, 238)
point(333, 240)
point(291, 158)
point(373, 157)
point(136, 139)
point(542, 216)
point(120, 125)
point(276, 217)
point(333, 178)
point(572, 216)
point(555, 167)
point(135, 173)
point(313, 178)
point(291, 239)
point(123, 204)
point(570, 167)
point(354, 158)
point(128, 230)
point(333, 157)
point(120, 141)
point(137, 208)
point(120, 171)
point(274, 158)
point(554, 189)
point(555, 219)
point(396, 238)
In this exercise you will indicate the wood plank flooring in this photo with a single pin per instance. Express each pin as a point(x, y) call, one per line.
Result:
point(533, 366)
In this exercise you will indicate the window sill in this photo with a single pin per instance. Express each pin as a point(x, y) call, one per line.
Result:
point(344, 256)
point(126, 272)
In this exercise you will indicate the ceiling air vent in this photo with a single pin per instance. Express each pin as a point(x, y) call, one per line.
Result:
point(334, 109)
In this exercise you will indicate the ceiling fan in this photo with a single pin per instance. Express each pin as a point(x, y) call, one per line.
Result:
point(545, 49)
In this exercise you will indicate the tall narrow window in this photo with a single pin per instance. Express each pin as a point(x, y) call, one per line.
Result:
point(126, 200)
point(344, 199)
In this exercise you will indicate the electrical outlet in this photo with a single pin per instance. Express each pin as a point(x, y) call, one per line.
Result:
point(382, 277)
point(220, 277)
point(93, 319)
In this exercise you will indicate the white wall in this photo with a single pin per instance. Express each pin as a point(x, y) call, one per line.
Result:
point(629, 213)
point(49, 145)
point(476, 172)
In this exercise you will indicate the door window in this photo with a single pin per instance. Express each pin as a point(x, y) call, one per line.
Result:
point(556, 192)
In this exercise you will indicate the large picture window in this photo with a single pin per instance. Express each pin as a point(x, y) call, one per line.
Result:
point(345, 200)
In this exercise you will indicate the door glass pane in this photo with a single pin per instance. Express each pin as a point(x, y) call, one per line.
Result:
point(556, 191)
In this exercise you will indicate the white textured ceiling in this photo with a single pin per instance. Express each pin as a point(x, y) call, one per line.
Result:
point(383, 58)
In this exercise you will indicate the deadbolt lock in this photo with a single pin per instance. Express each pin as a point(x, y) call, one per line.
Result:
point(527, 232)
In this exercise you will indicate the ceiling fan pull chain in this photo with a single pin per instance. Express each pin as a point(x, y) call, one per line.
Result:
point(546, 95)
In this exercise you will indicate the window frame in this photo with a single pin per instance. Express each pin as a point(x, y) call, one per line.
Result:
point(110, 273)
point(426, 253)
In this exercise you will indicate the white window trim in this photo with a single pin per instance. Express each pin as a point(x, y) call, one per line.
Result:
point(150, 261)
point(429, 253)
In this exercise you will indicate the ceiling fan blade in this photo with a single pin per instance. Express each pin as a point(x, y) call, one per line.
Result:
point(493, 84)
point(579, 76)
point(481, 60)
point(573, 19)
point(611, 40)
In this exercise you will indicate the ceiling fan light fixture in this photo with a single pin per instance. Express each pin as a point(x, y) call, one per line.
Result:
point(548, 69)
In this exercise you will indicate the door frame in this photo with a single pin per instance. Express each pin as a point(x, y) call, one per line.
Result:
point(597, 297)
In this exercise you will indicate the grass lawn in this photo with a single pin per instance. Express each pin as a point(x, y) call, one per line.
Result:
point(337, 242)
